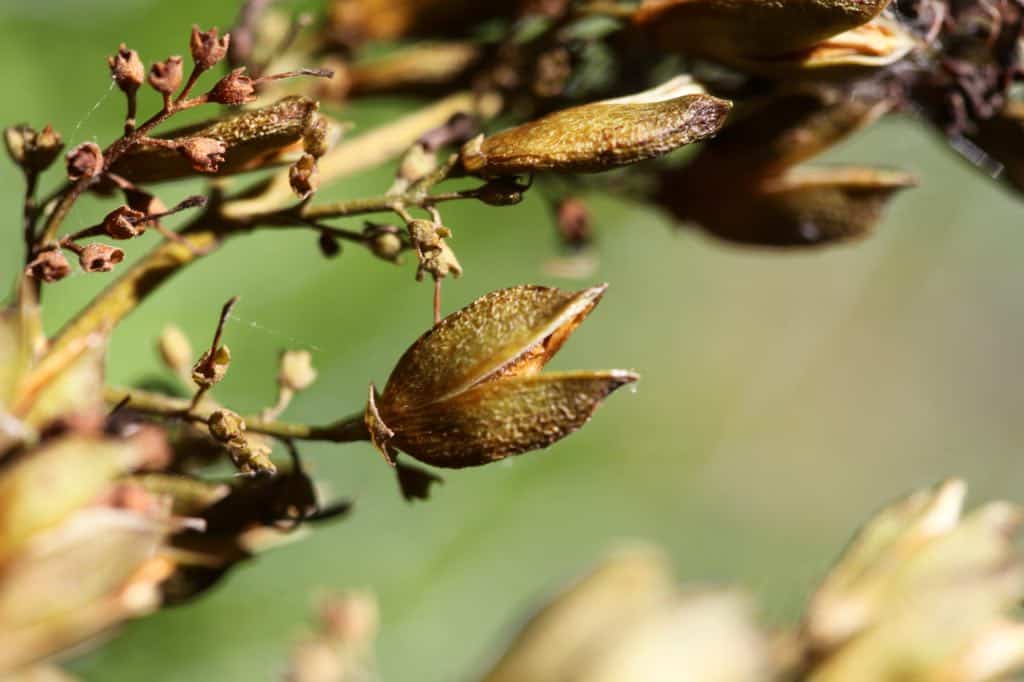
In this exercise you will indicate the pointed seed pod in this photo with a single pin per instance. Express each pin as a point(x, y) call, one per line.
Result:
point(85, 160)
point(601, 135)
point(206, 48)
point(165, 77)
point(124, 222)
point(469, 391)
point(100, 257)
point(127, 69)
point(729, 29)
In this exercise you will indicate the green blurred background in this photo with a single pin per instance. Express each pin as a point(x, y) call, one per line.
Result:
point(785, 396)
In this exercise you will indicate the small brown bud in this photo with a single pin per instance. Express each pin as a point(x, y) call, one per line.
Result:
point(329, 245)
point(124, 223)
point(126, 69)
point(175, 349)
point(100, 257)
point(304, 176)
point(204, 153)
point(233, 89)
point(85, 160)
point(296, 370)
point(32, 150)
point(165, 77)
point(207, 49)
point(573, 222)
point(211, 369)
point(225, 425)
point(49, 266)
point(386, 245)
point(316, 137)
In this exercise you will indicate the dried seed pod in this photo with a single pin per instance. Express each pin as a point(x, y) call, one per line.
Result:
point(877, 43)
point(33, 151)
point(124, 222)
point(304, 177)
point(212, 368)
point(729, 29)
point(234, 89)
point(100, 257)
point(804, 207)
point(255, 139)
point(469, 392)
point(206, 48)
point(85, 160)
point(127, 69)
point(49, 266)
point(205, 154)
point(601, 135)
point(923, 593)
point(165, 77)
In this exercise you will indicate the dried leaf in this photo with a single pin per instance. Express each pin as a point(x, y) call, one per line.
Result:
point(730, 29)
point(601, 135)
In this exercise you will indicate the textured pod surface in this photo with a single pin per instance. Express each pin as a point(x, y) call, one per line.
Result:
point(253, 139)
point(731, 29)
point(598, 136)
point(804, 207)
point(469, 391)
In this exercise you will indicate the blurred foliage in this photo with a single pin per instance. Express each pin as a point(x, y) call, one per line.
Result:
point(784, 397)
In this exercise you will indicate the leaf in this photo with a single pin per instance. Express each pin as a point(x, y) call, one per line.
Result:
point(484, 338)
point(601, 135)
point(500, 418)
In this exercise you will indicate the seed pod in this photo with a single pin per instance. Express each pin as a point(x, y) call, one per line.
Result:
point(601, 135)
point(263, 137)
point(165, 77)
point(49, 266)
point(207, 48)
point(124, 222)
point(126, 69)
point(804, 207)
point(877, 43)
point(729, 29)
point(469, 392)
point(34, 151)
point(100, 257)
point(85, 160)
point(234, 89)
point(304, 177)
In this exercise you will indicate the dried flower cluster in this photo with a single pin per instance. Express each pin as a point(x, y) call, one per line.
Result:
point(116, 485)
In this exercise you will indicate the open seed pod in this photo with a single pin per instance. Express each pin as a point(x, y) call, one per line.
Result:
point(470, 391)
point(728, 30)
point(803, 207)
point(602, 135)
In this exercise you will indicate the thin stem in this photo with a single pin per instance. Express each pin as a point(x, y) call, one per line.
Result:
point(351, 429)
point(29, 212)
point(437, 300)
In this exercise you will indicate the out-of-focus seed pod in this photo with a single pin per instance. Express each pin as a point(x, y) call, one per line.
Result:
point(85, 160)
point(295, 370)
point(415, 68)
point(469, 391)
point(49, 266)
point(98, 257)
point(622, 590)
point(78, 580)
point(601, 135)
point(341, 649)
point(923, 594)
point(304, 177)
point(263, 137)
point(175, 349)
point(729, 29)
point(804, 207)
point(357, 20)
point(1002, 137)
point(877, 43)
point(39, 491)
point(33, 150)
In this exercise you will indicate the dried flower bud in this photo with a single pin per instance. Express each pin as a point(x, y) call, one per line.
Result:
point(124, 223)
point(49, 266)
point(233, 89)
point(207, 49)
point(316, 138)
point(436, 257)
point(469, 391)
point(175, 349)
point(127, 69)
point(304, 177)
point(85, 161)
point(225, 425)
point(211, 368)
point(601, 135)
point(384, 242)
point(727, 29)
point(100, 257)
point(204, 153)
point(296, 371)
point(33, 151)
point(165, 77)
point(251, 456)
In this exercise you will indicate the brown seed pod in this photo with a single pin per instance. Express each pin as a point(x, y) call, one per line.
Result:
point(729, 29)
point(601, 135)
point(469, 391)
